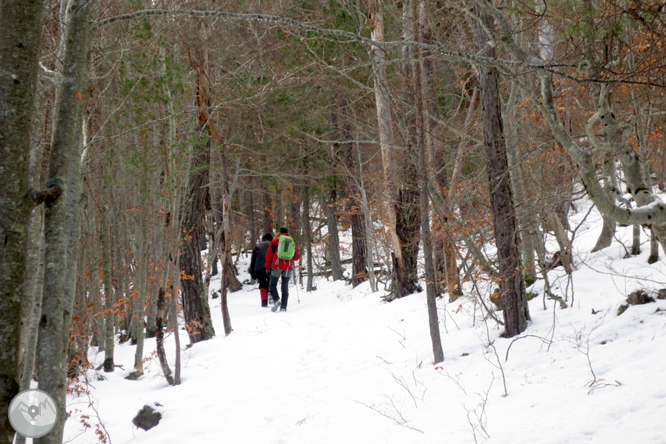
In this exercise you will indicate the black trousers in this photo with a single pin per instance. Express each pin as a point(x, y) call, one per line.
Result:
point(275, 276)
point(262, 277)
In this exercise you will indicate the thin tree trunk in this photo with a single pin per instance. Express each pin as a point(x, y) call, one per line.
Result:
point(331, 205)
point(333, 236)
point(227, 191)
point(368, 226)
point(354, 209)
point(162, 308)
point(109, 298)
point(516, 312)
point(526, 219)
point(636, 241)
point(141, 287)
point(654, 249)
point(173, 315)
point(431, 288)
point(307, 227)
point(433, 143)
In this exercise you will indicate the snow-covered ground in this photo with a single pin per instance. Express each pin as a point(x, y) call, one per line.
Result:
point(342, 366)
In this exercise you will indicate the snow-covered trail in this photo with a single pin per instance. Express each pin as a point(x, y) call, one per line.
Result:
point(308, 375)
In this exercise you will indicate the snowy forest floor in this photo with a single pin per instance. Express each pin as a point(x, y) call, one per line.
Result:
point(342, 366)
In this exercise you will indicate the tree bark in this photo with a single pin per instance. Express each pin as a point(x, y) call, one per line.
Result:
point(162, 309)
point(608, 229)
point(307, 228)
point(63, 216)
point(434, 150)
point(227, 190)
point(354, 207)
point(21, 22)
point(515, 309)
point(195, 302)
point(431, 287)
point(525, 215)
point(385, 130)
point(331, 205)
point(109, 297)
point(333, 236)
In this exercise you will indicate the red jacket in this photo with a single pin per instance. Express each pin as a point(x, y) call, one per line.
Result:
point(272, 260)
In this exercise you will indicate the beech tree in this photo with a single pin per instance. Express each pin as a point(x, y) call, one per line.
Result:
point(19, 54)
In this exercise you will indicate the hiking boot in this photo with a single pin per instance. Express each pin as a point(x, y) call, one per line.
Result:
point(276, 305)
point(283, 309)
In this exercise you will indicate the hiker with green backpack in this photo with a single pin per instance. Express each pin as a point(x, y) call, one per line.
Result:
point(279, 259)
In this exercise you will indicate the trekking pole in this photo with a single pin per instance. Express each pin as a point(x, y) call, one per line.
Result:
point(298, 296)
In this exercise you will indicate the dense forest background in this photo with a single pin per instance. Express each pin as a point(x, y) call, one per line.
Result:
point(449, 139)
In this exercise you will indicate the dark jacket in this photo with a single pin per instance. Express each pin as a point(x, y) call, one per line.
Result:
point(258, 260)
point(272, 260)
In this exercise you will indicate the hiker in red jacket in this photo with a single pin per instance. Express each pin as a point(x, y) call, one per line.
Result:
point(279, 259)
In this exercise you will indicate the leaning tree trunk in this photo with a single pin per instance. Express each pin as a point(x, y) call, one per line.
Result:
point(516, 312)
point(608, 228)
point(21, 24)
point(161, 317)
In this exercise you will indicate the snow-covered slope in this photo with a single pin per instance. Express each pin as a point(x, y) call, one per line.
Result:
point(343, 367)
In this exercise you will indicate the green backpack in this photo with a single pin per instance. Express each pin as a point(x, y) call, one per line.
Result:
point(286, 248)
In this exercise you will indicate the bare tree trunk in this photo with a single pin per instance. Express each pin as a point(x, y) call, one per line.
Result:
point(32, 306)
point(431, 288)
point(173, 315)
point(368, 226)
point(608, 229)
point(20, 39)
point(141, 288)
point(516, 312)
point(63, 217)
point(385, 129)
point(525, 215)
point(226, 254)
point(162, 308)
point(307, 227)
point(354, 208)
point(433, 143)
point(562, 240)
point(636, 240)
point(333, 236)
point(654, 249)
point(331, 205)
point(109, 299)
point(195, 302)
